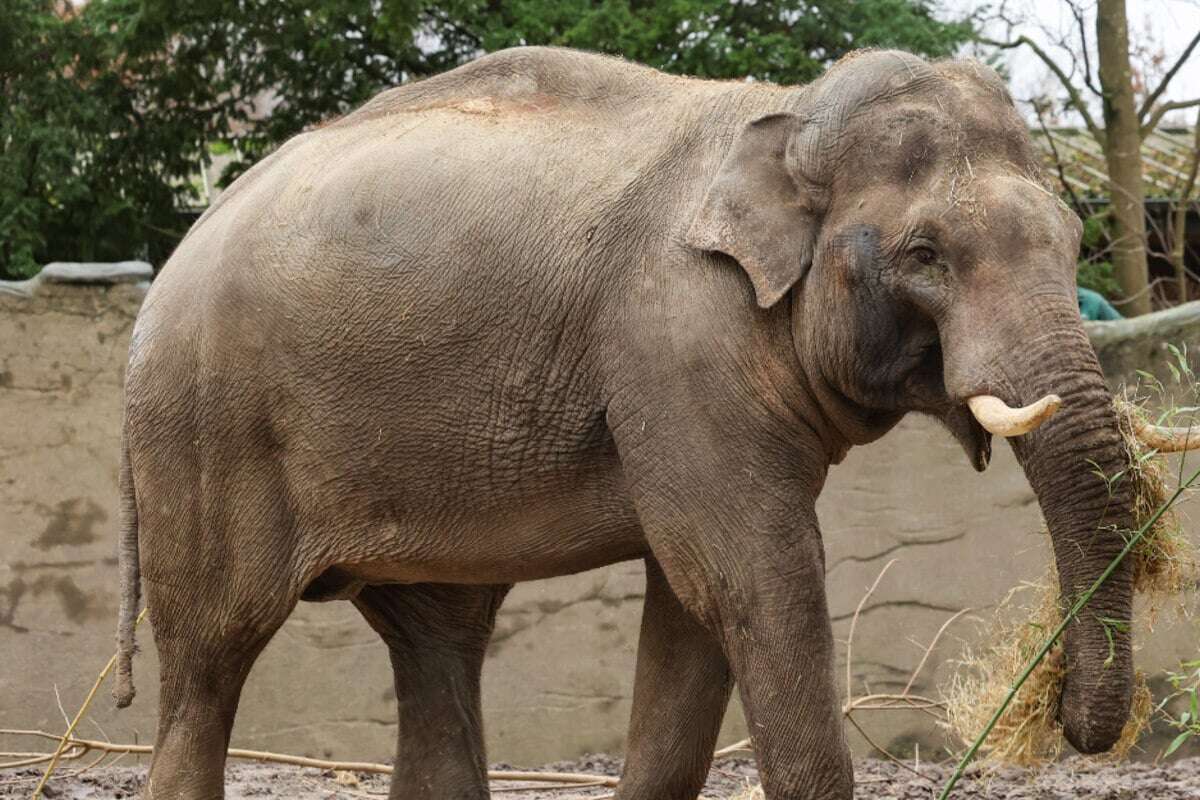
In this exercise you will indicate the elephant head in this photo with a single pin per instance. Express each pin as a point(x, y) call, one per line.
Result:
point(899, 208)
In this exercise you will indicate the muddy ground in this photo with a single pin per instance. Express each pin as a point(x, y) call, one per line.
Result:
point(877, 780)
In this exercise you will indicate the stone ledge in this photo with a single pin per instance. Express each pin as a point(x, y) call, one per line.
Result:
point(81, 274)
point(1128, 347)
point(1160, 324)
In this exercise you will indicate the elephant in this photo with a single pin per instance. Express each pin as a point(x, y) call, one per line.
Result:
point(553, 310)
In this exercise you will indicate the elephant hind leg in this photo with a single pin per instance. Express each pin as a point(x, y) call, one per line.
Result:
point(208, 633)
point(222, 569)
point(436, 635)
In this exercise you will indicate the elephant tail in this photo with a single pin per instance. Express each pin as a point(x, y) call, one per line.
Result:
point(130, 576)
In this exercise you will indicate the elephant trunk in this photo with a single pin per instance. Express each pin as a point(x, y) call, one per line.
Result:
point(1088, 520)
point(1023, 360)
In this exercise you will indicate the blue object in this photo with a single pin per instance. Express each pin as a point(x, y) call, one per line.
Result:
point(1093, 306)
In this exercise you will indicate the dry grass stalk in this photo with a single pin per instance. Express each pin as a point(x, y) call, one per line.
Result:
point(74, 723)
point(1028, 734)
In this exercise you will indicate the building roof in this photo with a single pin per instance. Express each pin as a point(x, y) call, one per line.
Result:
point(1167, 155)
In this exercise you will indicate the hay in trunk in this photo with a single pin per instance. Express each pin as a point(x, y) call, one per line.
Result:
point(1029, 734)
point(1164, 562)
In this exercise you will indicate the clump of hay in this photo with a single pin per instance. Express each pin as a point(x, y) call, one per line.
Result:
point(1164, 561)
point(1029, 734)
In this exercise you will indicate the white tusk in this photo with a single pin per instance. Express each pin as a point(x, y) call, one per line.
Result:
point(997, 417)
point(1168, 440)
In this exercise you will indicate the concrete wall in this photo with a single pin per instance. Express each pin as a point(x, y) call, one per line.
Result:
point(559, 674)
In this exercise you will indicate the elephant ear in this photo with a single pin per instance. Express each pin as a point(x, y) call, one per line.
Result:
point(759, 210)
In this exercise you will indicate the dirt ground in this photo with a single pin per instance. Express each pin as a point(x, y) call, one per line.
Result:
point(877, 780)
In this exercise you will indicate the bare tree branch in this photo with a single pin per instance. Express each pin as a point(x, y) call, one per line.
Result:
point(1164, 109)
point(1077, 12)
point(1152, 98)
point(1058, 161)
point(1077, 101)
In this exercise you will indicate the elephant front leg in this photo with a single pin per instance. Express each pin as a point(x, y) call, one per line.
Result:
point(782, 654)
point(774, 628)
point(772, 622)
point(679, 697)
point(728, 512)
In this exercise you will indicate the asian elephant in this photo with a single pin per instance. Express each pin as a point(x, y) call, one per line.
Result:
point(552, 310)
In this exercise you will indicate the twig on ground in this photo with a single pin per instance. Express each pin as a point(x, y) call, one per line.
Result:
point(905, 700)
point(745, 745)
point(30, 761)
point(84, 746)
point(564, 787)
point(87, 702)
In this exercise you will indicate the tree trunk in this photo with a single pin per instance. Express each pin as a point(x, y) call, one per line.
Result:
point(1122, 151)
point(1179, 220)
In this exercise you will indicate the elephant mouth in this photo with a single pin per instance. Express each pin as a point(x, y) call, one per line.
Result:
point(924, 382)
point(974, 421)
point(974, 439)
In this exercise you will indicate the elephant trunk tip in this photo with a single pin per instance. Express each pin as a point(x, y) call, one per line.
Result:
point(1090, 742)
point(1113, 727)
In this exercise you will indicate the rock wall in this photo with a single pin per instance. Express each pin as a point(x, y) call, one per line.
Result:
point(559, 673)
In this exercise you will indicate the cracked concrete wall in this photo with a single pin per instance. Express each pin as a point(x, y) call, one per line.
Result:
point(558, 678)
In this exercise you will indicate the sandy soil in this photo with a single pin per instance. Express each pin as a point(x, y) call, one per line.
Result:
point(877, 780)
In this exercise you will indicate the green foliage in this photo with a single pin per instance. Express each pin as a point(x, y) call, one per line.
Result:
point(1095, 231)
point(1099, 277)
point(37, 142)
point(111, 107)
point(1186, 686)
point(1184, 683)
point(92, 165)
point(785, 42)
point(1096, 272)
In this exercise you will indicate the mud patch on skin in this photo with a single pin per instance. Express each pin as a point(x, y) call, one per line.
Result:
point(71, 522)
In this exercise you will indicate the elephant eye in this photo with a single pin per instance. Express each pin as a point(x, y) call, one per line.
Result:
point(924, 255)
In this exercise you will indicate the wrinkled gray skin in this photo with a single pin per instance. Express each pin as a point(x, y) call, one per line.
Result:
point(550, 311)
